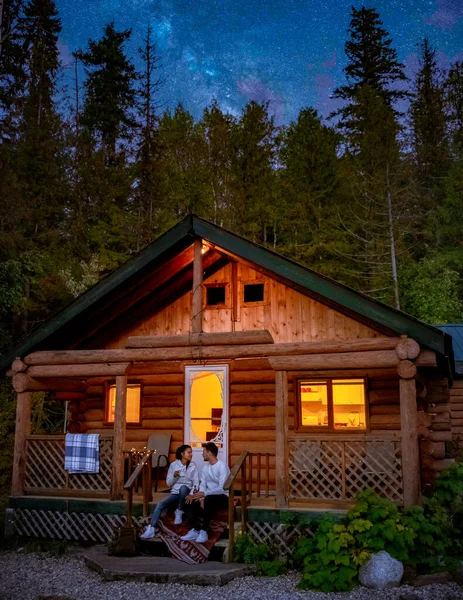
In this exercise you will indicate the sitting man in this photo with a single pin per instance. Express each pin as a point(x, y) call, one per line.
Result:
point(201, 506)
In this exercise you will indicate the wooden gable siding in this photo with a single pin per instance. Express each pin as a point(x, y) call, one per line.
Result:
point(289, 315)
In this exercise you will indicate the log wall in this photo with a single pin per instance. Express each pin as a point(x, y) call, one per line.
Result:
point(456, 409)
point(162, 405)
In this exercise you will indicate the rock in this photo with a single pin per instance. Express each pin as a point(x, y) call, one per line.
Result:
point(381, 571)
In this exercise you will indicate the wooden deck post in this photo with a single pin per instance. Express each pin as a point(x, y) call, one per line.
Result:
point(23, 429)
point(117, 487)
point(281, 445)
point(410, 447)
point(197, 299)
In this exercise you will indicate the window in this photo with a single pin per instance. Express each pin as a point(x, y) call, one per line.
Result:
point(133, 403)
point(332, 404)
point(215, 295)
point(254, 292)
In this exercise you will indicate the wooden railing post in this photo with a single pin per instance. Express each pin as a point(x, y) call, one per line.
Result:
point(409, 444)
point(197, 300)
point(231, 522)
point(23, 429)
point(119, 438)
point(281, 445)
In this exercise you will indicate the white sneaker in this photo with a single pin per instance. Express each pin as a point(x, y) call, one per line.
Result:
point(178, 516)
point(190, 536)
point(202, 537)
point(148, 533)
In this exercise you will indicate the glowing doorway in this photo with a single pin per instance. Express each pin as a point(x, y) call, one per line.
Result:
point(206, 409)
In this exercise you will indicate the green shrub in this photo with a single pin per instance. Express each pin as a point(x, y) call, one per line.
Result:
point(428, 537)
point(260, 555)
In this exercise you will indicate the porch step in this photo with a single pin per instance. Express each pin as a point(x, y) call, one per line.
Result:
point(160, 569)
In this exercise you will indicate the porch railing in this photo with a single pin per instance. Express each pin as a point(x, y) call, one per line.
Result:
point(339, 467)
point(45, 474)
point(242, 474)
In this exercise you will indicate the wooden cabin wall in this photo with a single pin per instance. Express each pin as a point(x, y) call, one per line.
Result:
point(252, 411)
point(162, 407)
point(456, 410)
point(289, 315)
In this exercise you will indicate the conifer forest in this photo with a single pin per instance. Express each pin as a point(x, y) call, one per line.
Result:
point(94, 170)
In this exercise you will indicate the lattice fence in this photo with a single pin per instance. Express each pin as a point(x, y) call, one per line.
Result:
point(337, 469)
point(45, 468)
point(50, 524)
point(278, 536)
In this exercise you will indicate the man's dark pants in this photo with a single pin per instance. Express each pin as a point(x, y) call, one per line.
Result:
point(200, 518)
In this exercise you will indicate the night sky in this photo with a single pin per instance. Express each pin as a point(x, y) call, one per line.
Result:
point(287, 52)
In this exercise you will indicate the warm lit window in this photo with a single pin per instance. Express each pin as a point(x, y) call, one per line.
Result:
point(133, 403)
point(332, 404)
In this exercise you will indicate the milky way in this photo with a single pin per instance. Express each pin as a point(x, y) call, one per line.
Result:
point(287, 52)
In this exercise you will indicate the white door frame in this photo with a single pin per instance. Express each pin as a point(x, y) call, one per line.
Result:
point(189, 370)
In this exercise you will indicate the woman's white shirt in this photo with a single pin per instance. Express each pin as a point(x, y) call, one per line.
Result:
point(188, 476)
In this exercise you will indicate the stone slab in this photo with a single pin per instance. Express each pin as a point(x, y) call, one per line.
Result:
point(160, 569)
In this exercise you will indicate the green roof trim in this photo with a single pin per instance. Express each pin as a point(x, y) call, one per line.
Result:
point(182, 234)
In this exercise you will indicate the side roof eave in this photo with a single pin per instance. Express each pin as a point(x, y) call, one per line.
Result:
point(178, 234)
point(324, 287)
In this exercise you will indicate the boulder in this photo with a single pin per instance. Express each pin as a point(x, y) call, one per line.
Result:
point(381, 571)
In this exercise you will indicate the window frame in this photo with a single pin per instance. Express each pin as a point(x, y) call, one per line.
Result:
point(299, 427)
point(129, 424)
point(221, 305)
point(263, 302)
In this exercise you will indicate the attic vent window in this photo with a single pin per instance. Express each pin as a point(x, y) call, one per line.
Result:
point(254, 292)
point(215, 295)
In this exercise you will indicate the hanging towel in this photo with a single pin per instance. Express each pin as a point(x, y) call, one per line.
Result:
point(82, 453)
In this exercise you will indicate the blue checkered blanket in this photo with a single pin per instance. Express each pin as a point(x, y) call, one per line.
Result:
point(82, 453)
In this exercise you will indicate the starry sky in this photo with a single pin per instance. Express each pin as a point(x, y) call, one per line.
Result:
point(287, 52)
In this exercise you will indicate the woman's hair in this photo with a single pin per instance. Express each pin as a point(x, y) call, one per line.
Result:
point(180, 450)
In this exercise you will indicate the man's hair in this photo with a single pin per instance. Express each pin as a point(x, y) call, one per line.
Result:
point(212, 448)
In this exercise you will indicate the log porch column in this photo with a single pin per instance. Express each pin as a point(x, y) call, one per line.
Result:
point(117, 488)
point(410, 446)
point(23, 429)
point(197, 299)
point(281, 439)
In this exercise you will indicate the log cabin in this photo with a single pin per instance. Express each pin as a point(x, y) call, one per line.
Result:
point(312, 391)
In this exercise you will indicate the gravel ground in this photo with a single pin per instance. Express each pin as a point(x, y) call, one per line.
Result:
point(40, 577)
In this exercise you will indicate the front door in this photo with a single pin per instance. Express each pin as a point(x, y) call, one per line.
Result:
point(206, 409)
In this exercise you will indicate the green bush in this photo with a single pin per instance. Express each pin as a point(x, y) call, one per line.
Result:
point(260, 555)
point(428, 537)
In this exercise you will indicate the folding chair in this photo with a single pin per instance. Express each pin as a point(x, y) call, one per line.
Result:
point(160, 443)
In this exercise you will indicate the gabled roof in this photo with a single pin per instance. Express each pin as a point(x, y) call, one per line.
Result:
point(301, 278)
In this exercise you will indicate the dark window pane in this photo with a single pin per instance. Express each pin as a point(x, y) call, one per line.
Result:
point(254, 292)
point(215, 295)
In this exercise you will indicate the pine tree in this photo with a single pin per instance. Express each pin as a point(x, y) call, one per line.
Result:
point(308, 183)
point(148, 154)
point(454, 101)
point(429, 127)
point(253, 173)
point(110, 89)
point(219, 130)
point(372, 68)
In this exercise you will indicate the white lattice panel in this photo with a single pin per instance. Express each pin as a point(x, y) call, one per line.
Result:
point(45, 468)
point(82, 527)
point(278, 536)
point(340, 469)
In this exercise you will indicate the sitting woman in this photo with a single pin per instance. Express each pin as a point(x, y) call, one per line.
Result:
point(183, 478)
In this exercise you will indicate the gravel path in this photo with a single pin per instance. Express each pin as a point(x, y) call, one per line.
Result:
point(40, 577)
